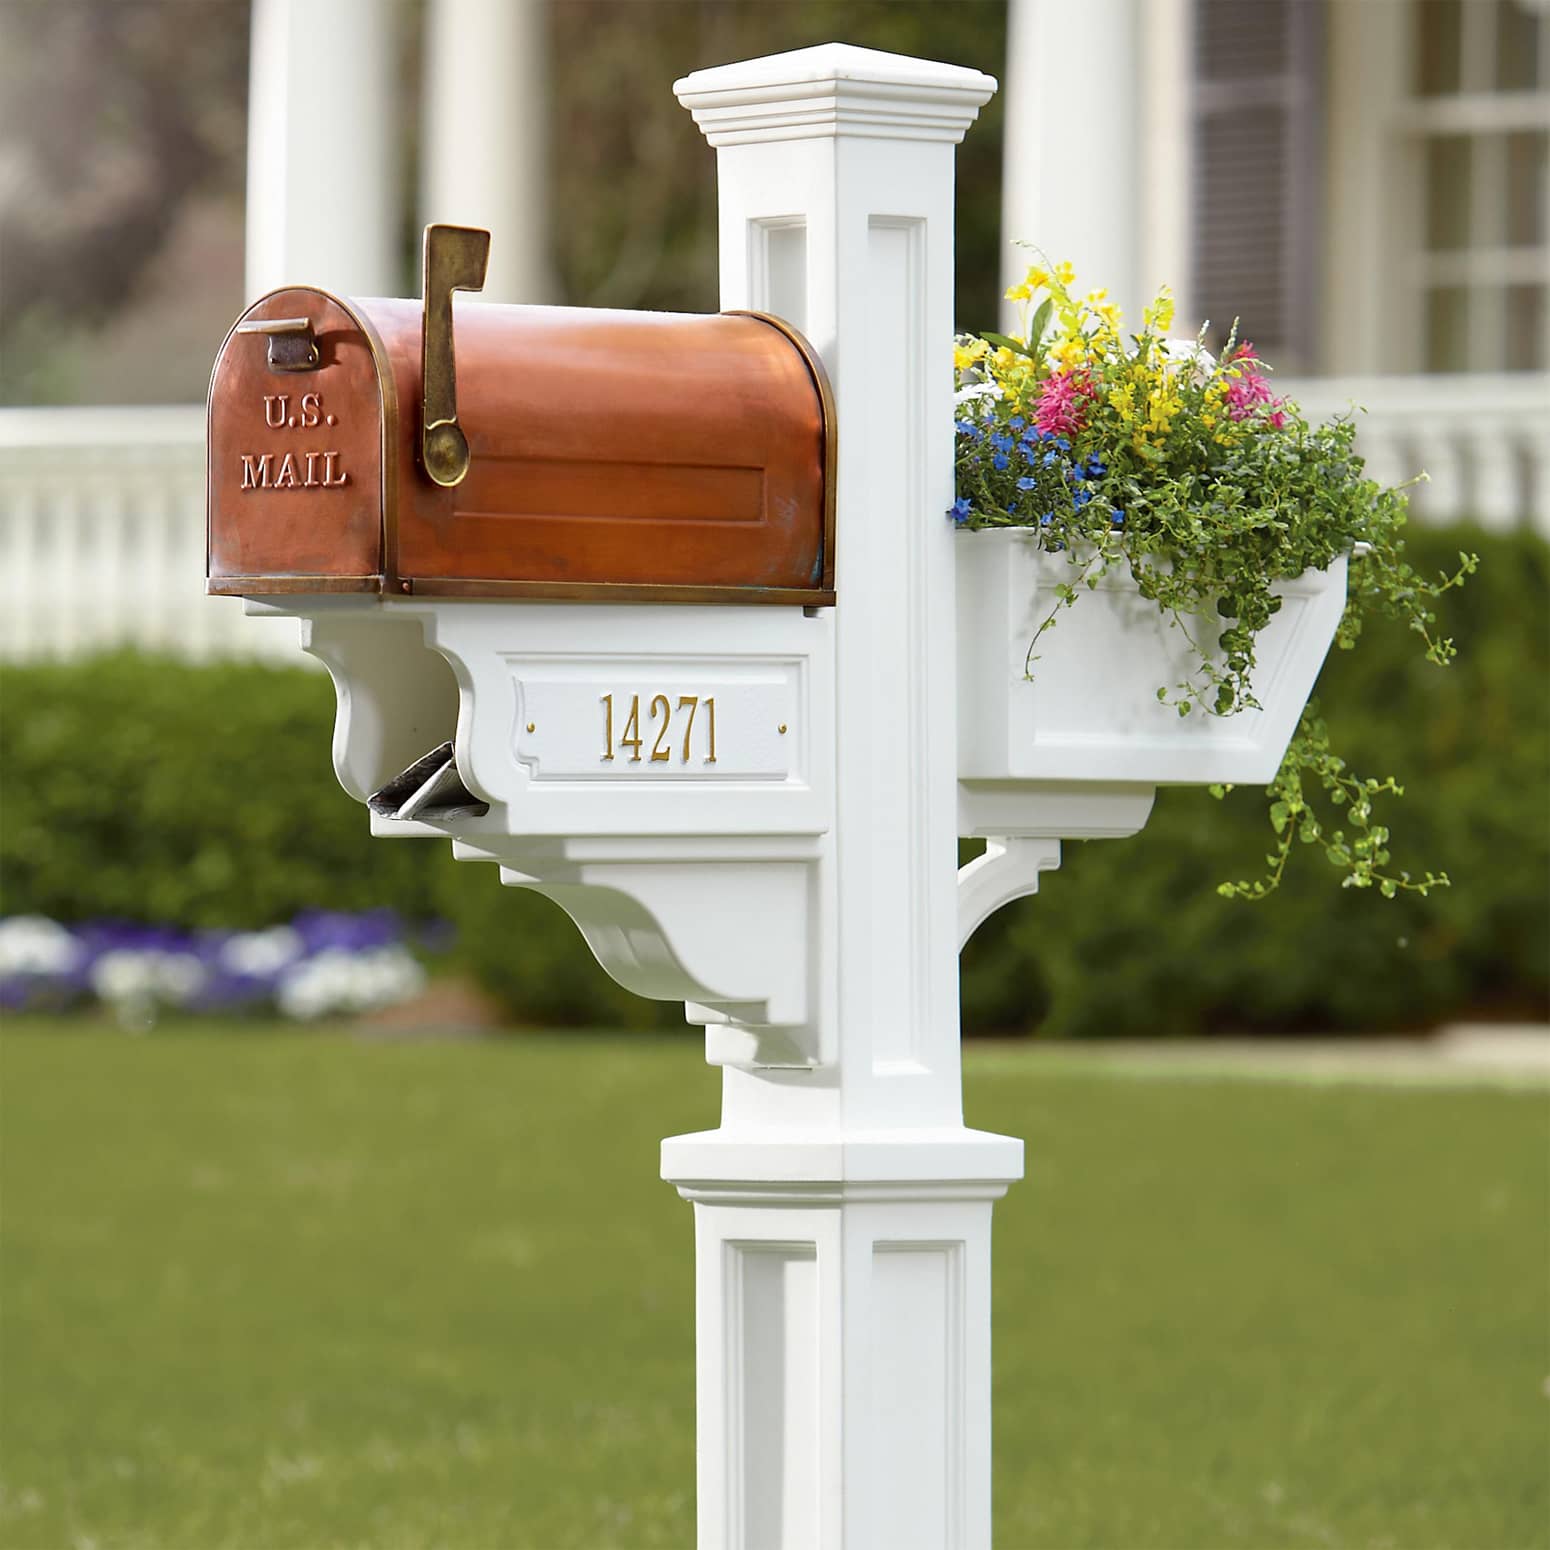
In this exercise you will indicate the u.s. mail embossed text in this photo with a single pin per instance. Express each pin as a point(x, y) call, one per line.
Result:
point(303, 469)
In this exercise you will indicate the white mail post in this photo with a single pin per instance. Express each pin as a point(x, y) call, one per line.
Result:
point(725, 684)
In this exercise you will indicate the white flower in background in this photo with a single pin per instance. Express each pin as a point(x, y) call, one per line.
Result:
point(139, 977)
point(32, 944)
point(336, 981)
point(262, 954)
point(1190, 352)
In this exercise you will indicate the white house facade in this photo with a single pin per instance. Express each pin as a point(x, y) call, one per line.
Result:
point(1364, 182)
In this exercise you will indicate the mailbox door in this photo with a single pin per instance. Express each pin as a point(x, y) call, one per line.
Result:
point(297, 420)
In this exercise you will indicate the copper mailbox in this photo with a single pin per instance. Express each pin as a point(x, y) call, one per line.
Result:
point(558, 452)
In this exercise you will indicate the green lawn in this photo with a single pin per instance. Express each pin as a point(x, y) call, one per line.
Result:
point(271, 1290)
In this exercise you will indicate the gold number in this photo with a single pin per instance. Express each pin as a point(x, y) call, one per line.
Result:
point(661, 747)
point(632, 737)
point(659, 754)
point(692, 701)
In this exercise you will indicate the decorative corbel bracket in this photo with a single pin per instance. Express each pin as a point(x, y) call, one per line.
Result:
point(1009, 869)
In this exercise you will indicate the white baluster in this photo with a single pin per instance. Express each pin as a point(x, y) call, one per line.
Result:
point(1536, 495)
point(1384, 449)
point(18, 566)
point(1444, 497)
point(1497, 481)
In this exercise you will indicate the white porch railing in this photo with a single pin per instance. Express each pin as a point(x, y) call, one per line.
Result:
point(102, 511)
point(1484, 441)
point(102, 539)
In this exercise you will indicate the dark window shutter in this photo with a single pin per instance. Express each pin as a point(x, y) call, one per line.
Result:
point(1257, 172)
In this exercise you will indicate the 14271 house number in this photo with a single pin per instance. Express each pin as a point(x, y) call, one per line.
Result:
point(674, 727)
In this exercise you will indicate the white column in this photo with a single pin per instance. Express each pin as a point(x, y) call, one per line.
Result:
point(324, 116)
point(485, 136)
point(843, 1214)
point(1164, 158)
point(1072, 169)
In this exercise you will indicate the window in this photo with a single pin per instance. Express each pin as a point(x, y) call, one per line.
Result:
point(1257, 135)
point(1478, 114)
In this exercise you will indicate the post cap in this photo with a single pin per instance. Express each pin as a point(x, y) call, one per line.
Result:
point(831, 90)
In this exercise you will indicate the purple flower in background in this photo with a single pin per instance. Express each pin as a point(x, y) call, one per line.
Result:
point(325, 962)
point(321, 929)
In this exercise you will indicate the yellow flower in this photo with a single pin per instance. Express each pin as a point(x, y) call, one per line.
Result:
point(1037, 278)
point(1065, 273)
point(1019, 292)
point(965, 355)
point(1160, 314)
point(1094, 297)
point(1110, 315)
point(1069, 350)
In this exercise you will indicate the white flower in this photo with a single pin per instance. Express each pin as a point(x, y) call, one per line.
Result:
point(133, 976)
point(335, 981)
point(32, 944)
point(261, 954)
point(977, 392)
point(1190, 352)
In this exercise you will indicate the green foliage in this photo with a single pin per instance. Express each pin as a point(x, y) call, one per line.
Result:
point(1190, 475)
point(154, 790)
point(1131, 938)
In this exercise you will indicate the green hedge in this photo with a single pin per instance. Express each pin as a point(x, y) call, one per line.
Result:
point(156, 791)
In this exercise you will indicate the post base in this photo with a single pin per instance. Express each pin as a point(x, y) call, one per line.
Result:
point(843, 1336)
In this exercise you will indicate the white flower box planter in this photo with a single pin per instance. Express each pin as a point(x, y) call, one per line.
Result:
point(1090, 711)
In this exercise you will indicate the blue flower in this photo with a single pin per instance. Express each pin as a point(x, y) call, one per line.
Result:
point(1025, 483)
point(1081, 497)
point(1078, 473)
point(1117, 518)
point(1063, 443)
point(1096, 468)
point(968, 428)
point(1050, 459)
point(1000, 462)
point(1001, 442)
point(1047, 518)
point(960, 510)
point(1017, 422)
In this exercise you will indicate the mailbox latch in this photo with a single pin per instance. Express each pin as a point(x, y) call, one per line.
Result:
point(292, 344)
point(455, 260)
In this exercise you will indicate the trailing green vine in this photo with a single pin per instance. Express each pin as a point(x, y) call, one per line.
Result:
point(1188, 473)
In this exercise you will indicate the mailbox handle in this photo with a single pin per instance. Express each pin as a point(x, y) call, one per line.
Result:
point(455, 260)
point(292, 344)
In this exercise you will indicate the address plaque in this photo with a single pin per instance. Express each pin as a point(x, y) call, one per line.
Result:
point(691, 721)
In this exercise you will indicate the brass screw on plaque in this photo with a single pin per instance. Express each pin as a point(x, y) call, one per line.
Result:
point(782, 729)
point(532, 726)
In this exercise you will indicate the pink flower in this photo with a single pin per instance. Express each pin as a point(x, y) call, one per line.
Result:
point(1063, 401)
point(1249, 393)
